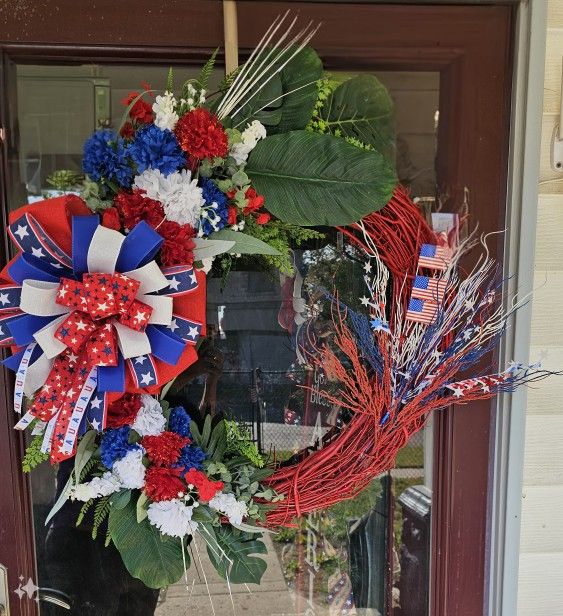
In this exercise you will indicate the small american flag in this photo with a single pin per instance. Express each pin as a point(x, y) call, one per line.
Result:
point(434, 257)
point(428, 288)
point(421, 311)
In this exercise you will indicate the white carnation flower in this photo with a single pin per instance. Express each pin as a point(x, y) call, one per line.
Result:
point(149, 421)
point(130, 470)
point(250, 137)
point(164, 111)
point(179, 194)
point(228, 505)
point(107, 484)
point(172, 518)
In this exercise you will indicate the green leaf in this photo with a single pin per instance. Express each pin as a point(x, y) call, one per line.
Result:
point(245, 569)
point(120, 499)
point(196, 434)
point(140, 507)
point(148, 555)
point(170, 80)
point(84, 452)
point(299, 86)
point(268, 96)
point(204, 249)
point(311, 179)
point(244, 244)
point(361, 108)
point(207, 69)
point(206, 433)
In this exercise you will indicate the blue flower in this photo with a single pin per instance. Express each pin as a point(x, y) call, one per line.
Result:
point(191, 456)
point(154, 148)
point(179, 422)
point(115, 444)
point(105, 156)
point(215, 206)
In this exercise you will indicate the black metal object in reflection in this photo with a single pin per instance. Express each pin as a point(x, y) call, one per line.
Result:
point(415, 551)
point(367, 548)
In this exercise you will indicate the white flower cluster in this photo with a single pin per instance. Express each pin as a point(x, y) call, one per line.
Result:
point(251, 135)
point(228, 505)
point(149, 421)
point(179, 194)
point(107, 484)
point(164, 108)
point(130, 470)
point(195, 98)
point(172, 517)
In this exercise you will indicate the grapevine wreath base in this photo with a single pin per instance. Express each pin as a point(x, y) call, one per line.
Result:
point(104, 307)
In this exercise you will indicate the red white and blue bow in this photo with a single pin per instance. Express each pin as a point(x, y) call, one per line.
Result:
point(79, 321)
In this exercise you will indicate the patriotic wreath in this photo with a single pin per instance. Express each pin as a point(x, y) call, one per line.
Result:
point(104, 304)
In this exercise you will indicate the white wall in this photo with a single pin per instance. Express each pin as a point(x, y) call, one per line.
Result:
point(540, 591)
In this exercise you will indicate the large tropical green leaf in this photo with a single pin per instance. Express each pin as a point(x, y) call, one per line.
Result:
point(238, 546)
point(153, 558)
point(362, 108)
point(288, 97)
point(311, 179)
point(299, 86)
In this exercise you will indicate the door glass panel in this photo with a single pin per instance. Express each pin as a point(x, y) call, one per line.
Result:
point(369, 555)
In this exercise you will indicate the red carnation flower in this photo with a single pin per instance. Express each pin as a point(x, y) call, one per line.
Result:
point(205, 487)
point(127, 131)
point(141, 110)
point(232, 220)
point(164, 449)
point(136, 206)
point(123, 412)
point(201, 135)
point(178, 245)
point(163, 483)
point(263, 218)
point(110, 219)
point(254, 201)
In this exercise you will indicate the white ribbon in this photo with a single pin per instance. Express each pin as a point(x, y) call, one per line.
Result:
point(161, 308)
point(46, 444)
point(37, 374)
point(79, 409)
point(104, 250)
point(150, 277)
point(39, 298)
point(46, 338)
point(20, 377)
point(131, 342)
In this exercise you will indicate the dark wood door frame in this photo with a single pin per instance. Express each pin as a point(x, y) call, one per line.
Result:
point(471, 47)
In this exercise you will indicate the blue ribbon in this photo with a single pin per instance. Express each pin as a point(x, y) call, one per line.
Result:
point(27, 266)
point(112, 378)
point(139, 247)
point(165, 345)
point(23, 327)
point(83, 229)
point(13, 362)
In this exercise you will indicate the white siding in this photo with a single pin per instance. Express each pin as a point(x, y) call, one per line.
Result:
point(540, 588)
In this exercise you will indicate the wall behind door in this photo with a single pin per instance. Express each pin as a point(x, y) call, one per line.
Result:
point(540, 591)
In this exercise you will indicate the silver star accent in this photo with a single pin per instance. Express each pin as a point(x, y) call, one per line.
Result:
point(140, 359)
point(21, 231)
point(4, 299)
point(173, 283)
point(173, 325)
point(96, 402)
point(37, 252)
point(146, 378)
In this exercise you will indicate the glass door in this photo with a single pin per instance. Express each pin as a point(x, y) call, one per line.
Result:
point(394, 548)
